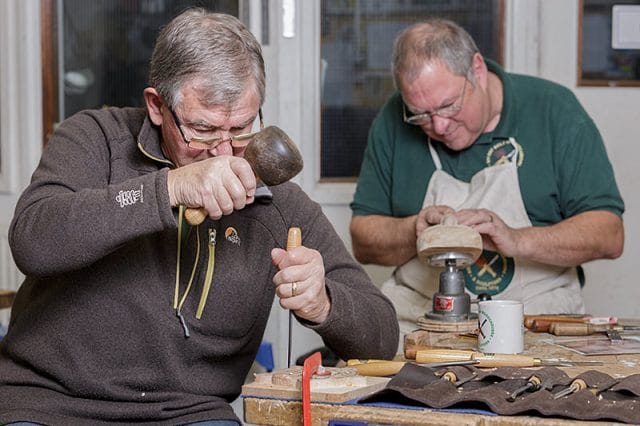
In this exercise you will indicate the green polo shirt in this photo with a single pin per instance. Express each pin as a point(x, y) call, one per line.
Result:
point(563, 166)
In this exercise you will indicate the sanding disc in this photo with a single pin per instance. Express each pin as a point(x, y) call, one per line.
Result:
point(464, 326)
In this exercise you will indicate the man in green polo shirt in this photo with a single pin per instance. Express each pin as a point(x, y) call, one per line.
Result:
point(513, 156)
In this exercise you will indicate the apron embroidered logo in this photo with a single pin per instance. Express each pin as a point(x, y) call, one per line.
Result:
point(490, 274)
point(231, 235)
point(127, 198)
point(504, 151)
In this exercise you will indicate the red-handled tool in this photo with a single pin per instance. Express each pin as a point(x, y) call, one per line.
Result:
point(312, 365)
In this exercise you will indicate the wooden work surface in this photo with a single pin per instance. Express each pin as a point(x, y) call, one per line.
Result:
point(280, 412)
point(274, 409)
point(343, 385)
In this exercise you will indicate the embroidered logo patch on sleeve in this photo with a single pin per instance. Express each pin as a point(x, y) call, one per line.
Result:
point(130, 197)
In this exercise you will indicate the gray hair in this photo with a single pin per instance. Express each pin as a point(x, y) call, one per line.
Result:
point(435, 39)
point(215, 51)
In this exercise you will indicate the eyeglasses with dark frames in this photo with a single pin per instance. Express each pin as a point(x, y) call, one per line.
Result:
point(211, 139)
point(426, 118)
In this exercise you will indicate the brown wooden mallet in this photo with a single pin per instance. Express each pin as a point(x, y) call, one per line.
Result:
point(274, 159)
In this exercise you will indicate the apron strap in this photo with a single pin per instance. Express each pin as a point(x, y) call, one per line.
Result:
point(434, 155)
point(516, 151)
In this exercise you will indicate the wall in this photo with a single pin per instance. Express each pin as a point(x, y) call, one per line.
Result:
point(20, 118)
point(611, 287)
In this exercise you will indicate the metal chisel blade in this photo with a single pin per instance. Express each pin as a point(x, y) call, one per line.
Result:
point(559, 362)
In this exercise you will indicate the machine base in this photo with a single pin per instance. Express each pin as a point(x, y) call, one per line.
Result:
point(442, 323)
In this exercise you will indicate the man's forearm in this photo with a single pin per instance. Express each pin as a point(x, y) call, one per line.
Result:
point(579, 239)
point(383, 240)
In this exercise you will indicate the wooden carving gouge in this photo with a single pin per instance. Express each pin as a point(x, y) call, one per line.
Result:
point(534, 384)
point(383, 368)
point(541, 323)
point(530, 320)
point(450, 376)
point(494, 360)
point(578, 329)
point(578, 385)
point(294, 239)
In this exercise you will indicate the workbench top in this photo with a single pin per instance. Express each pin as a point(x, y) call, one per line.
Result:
point(543, 345)
point(273, 409)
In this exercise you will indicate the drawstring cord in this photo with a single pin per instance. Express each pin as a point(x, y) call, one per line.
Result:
point(177, 305)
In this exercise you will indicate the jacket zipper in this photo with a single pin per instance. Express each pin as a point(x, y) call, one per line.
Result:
point(211, 263)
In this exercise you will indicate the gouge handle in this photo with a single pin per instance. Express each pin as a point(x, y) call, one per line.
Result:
point(484, 360)
point(376, 368)
point(577, 329)
point(294, 238)
point(450, 376)
point(540, 326)
point(6, 298)
point(195, 216)
point(575, 386)
point(530, 321)
point(428, 356)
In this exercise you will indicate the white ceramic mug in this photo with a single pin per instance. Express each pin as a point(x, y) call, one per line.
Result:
point(500, 326)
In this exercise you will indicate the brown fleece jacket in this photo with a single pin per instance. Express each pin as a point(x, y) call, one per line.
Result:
point(94, 336)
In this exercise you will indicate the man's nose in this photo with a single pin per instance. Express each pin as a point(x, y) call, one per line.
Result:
point(440, 124)
point(223, 148)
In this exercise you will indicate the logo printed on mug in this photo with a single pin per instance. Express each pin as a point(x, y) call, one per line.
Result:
point(486, 329)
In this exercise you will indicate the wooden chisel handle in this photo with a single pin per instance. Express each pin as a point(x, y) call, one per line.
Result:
point(195, 216)
point(577, 329)
point(6, 298)
point(531, 321)
point(540, 326)
point(382, 368)
point(376, 368)
point(294, 239)
point(410, 352)
point(428, 356)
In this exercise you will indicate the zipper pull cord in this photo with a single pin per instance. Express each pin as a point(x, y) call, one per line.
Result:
point(211, 264)
point(177, 301)
point(176, 290)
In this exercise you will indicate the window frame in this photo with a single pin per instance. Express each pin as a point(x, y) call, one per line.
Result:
point(585, 81)
point(302, 57)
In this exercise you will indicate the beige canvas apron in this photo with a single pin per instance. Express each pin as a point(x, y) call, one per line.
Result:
point(542, 288)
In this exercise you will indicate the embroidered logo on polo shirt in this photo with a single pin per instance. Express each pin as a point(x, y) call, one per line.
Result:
point(130, 197)
point(503, 151)
point(231, 235)
point(491, 273)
